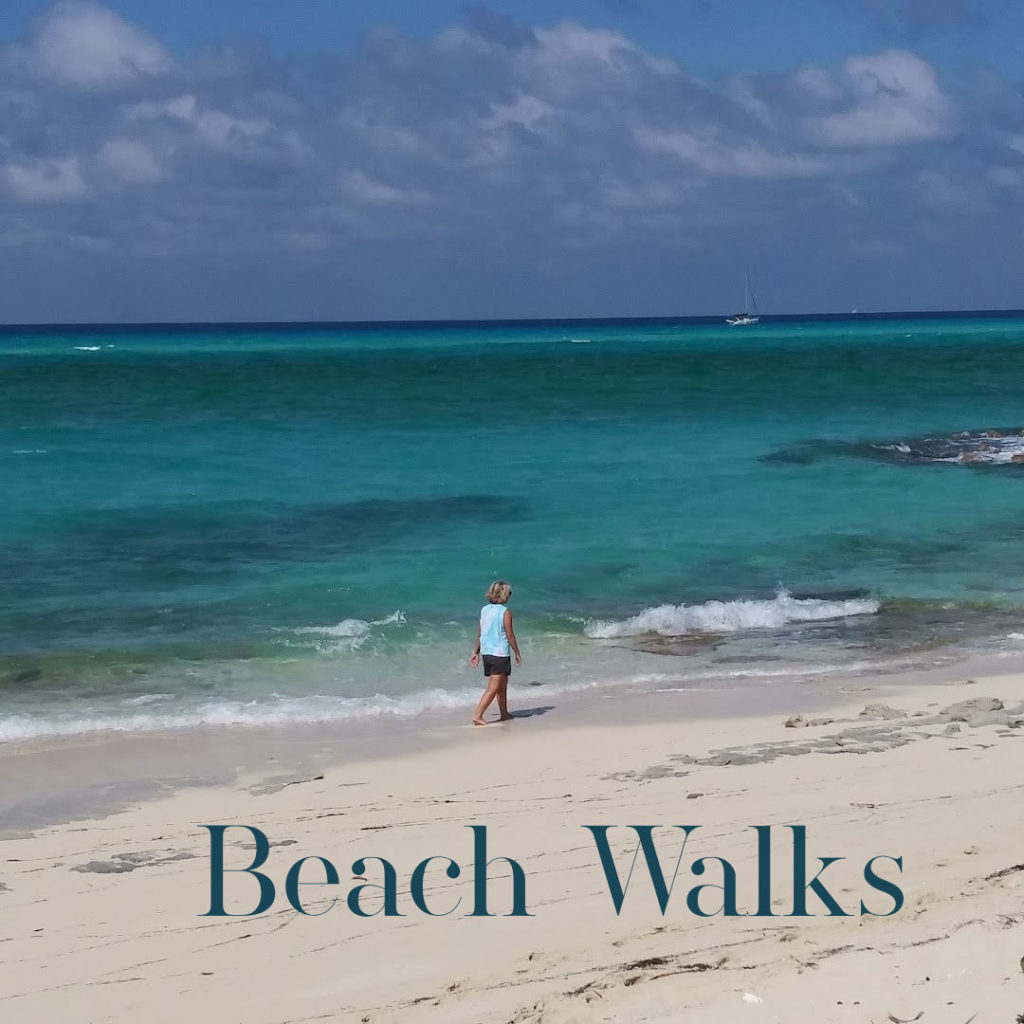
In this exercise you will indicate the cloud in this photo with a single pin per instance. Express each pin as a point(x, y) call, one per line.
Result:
point(737, 159)
point(891, 98)
point(526, 111)
point(569, 45)
point(363, 189)
point(85, 45)
point(215, 127)
point(45, 181)
point(130, 161)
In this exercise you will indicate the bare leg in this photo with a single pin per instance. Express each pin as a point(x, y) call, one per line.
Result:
point(485, 701)
point(503, 699)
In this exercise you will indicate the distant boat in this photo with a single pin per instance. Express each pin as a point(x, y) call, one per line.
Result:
point(749, 315)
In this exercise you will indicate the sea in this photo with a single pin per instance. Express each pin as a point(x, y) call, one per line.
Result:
point(268, 525)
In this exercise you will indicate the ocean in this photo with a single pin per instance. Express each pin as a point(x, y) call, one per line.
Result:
point(231, 526)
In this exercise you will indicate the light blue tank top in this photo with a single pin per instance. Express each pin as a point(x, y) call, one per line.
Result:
point(493, 639)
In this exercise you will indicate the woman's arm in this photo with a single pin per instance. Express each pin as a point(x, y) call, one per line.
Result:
point(475, 657)
point(511, 634)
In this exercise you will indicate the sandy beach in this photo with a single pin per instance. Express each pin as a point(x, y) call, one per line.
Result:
point(101, 916)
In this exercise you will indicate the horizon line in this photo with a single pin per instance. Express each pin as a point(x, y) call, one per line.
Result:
point(701, 319)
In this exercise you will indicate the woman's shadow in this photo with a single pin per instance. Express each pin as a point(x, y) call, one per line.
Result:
point(531, 712)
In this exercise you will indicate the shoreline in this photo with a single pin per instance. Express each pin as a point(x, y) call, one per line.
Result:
point(108, 910)
point(114, 770)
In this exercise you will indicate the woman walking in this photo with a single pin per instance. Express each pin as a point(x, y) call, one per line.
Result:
point(495, 637)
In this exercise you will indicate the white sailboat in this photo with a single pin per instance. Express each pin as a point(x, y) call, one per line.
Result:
point(748, 316)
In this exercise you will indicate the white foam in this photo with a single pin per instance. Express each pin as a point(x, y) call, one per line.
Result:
point(276, 711)
point(345, 628)
point(87, 348)
point(351, 633)
point(353, 627)
point(729, 616)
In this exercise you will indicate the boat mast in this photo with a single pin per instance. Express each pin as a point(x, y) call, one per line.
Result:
point(751, 297)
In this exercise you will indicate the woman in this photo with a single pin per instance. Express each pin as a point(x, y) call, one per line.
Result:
point(494, 637)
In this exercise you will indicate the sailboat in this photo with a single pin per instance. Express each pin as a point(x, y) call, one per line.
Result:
point(747, 317)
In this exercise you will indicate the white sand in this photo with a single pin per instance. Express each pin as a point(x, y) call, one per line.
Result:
point(131, 946)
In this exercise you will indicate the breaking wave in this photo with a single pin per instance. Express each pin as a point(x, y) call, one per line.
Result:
point(267, 713)
point(349, 633)
point(729, 616)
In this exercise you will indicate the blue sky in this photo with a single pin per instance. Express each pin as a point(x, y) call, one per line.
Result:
point(326, 160)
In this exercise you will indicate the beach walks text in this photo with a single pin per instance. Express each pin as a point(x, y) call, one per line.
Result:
point(781, 879)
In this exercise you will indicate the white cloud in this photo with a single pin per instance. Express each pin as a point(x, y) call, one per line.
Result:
point(45, 181)
point(363, 189)
point(738, 159)
point(215, 127)
point(816, 83)
point(571, 60)
point(894, 98)
point(130, 161)
point(82, 44)
point(570, 41)
point(524, 111)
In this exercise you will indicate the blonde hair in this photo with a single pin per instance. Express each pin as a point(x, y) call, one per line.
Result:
point(499, 592)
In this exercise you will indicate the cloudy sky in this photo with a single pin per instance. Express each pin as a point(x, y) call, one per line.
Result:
point(264, 160)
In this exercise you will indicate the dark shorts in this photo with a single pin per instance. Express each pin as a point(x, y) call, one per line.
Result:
point(495, 666)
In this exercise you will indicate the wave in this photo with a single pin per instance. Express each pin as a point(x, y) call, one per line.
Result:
point(729, 616)
point(310, 710)
point(268, 713)
point(353, 627)
point(345, 628)
point(352, 633)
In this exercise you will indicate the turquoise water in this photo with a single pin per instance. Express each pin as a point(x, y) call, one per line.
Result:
point(207, 526)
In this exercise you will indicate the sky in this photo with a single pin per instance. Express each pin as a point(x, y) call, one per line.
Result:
point(313, 160)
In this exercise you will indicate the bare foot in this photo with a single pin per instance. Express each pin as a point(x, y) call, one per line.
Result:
point(506, 718)
point(479, 721)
